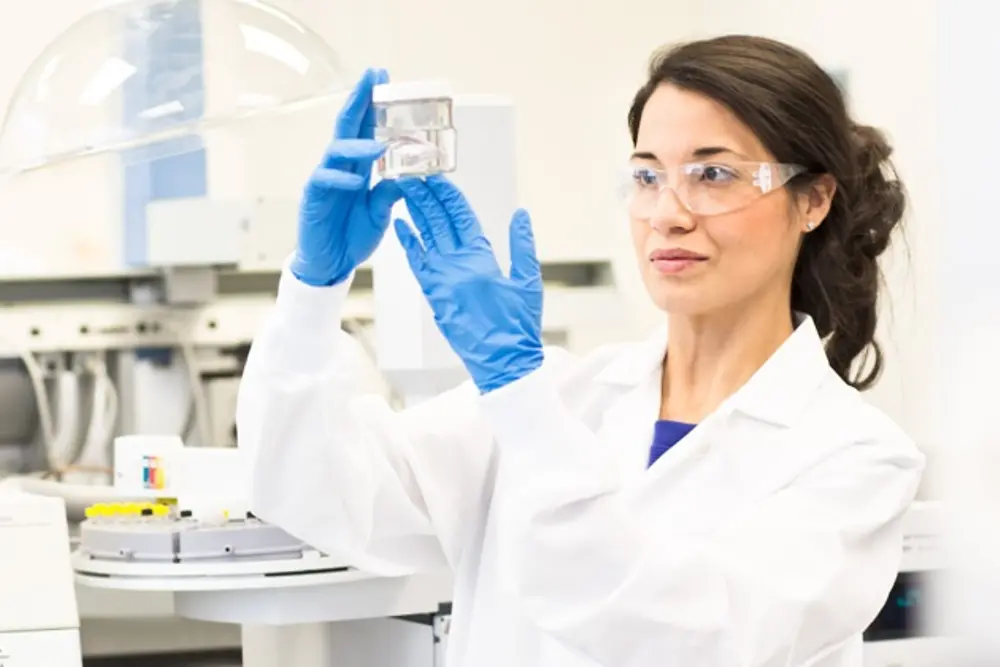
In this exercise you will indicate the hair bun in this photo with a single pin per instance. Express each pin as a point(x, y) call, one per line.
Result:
point(880, 200)
point(873, 149)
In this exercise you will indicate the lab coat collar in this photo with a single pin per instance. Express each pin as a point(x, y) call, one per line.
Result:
point(776, 393)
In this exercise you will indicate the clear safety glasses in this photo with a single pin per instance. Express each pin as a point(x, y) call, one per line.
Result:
point(703, 188)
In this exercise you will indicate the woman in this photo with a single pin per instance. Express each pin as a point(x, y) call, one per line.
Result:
point(768, 534)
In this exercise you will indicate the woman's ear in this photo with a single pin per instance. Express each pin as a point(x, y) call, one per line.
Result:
point(815, 202)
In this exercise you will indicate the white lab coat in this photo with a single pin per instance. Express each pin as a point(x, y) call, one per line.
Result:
point(769, 536)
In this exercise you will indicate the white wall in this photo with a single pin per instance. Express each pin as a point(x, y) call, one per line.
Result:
point(968, 356)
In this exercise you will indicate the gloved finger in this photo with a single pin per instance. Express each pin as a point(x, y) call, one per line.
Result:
point(381, 200)
point(428, 215)
point(368, 122)
point(348, 152)
point(335, 179)
point(465, 225)
point(525, 270)
point(355, 108)
point(411, 244)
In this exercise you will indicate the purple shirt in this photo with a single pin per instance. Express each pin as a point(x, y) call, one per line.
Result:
point(666, 434)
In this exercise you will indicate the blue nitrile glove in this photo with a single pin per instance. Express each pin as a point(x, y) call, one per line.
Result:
point(342, 219)
point(493, 323)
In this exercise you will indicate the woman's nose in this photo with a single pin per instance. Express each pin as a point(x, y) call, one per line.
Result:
point(670, 214)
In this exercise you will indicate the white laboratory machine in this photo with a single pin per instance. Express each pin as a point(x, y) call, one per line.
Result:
point(193, 538)
point(39, 625)
point(902, 635)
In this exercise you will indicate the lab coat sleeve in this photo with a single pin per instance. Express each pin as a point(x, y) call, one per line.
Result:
point(790, 580)
point(389, 492)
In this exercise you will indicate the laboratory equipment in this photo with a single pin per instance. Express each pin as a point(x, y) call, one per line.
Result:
point(38, 613)
point(68, 104)
point(153, 100)
point(415, 120)
point(902, 635)
point(223, 564)
point(159, 533)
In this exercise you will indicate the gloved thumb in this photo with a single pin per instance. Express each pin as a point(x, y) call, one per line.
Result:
point(381, 199)
point(524, 267)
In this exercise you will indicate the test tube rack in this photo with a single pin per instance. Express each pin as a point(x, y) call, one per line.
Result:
point(159, 533)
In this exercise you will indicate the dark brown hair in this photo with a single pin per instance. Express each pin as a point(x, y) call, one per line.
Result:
point(799, 114)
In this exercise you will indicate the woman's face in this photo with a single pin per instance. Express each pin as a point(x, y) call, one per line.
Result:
point(740, 254)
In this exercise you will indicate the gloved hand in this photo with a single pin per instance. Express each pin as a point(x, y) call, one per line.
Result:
point(342, 219)
point(493, 323)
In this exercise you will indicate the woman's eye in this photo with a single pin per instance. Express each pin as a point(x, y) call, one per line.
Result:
point(717, 174)
point(645, 177)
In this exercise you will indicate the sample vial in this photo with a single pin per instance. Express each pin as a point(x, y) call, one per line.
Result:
point(415, 122)
point(212, 516)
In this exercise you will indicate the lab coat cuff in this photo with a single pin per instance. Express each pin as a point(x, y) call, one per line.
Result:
point(309, 307)
point(307, 321)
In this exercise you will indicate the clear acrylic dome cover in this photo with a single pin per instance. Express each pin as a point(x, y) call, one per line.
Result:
point(139, 78)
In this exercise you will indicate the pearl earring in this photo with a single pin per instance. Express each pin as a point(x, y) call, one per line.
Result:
point(810, 226)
